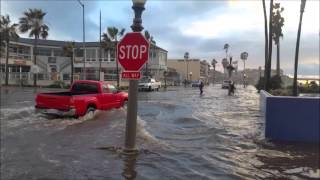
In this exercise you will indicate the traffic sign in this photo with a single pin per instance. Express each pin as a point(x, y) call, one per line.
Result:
point(133, 51)
point(134, 75)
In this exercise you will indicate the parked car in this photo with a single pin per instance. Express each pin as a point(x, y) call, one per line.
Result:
point(149, 84)
point(83, 97)
point(226, 84)
point(195, 83)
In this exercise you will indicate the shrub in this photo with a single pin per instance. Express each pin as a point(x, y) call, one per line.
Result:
point(275, 82)
point(57, 84)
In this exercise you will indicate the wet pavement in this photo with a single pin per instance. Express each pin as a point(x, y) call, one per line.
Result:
point(181, 135)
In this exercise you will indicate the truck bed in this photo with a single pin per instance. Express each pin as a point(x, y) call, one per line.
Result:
point(67, 93)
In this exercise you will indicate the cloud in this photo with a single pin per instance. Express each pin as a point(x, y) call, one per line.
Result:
point(199, 27)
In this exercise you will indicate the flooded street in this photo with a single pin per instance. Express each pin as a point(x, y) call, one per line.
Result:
point(181, 135)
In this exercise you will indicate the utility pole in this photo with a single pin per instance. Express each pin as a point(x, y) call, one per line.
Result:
point(83, 41)
point(100, 60)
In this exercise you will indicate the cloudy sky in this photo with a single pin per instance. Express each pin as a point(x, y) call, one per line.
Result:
point(200, 27)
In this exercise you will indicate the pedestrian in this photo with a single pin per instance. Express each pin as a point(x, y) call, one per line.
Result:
point(231, 89)
point(201, 87)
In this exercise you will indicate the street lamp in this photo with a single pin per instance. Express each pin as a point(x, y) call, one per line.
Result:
point(84, 39)
point(131, 123)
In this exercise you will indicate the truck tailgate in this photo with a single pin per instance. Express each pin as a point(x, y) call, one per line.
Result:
point(51, 101)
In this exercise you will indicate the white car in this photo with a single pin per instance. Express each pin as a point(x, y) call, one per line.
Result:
point(149, 84)
point(226, 84)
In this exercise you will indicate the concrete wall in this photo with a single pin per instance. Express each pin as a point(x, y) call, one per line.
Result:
point(291, 118)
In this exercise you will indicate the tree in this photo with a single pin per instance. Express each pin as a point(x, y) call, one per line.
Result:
point(265, 43)
point(295, 88)
point(112, 35)
point(268, 69)
point(277, 23)
point(226, 48)
point(68, 51)
point(244, 57)
point(8, 31)
point(213, 63)
point(224, 64)
point(32, 22)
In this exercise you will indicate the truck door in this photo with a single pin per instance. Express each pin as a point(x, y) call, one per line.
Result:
point(115, 99)
point(107, 97)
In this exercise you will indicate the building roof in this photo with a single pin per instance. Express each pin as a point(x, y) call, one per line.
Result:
point(55, 43)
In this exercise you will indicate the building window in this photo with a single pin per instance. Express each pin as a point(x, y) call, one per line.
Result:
point(78, 52)
point(52, 60)
point(91, 54)
point(66, 77)
point(43, 51)
point(57, 52)
point(112, 55)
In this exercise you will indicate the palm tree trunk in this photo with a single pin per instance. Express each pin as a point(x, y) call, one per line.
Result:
point(35, 60)
point(295, 87)
point(71, 78)
point(117, 65)
point(270, 47)
point(7, 63)
point(266, 41)
point(278, 58)
point(214, 73)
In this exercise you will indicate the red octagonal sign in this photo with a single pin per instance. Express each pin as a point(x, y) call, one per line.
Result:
point(133, 51)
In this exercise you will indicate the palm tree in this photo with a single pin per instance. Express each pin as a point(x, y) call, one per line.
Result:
point(295, 88)
point(213, 63)
point(278, 22)
point(226, 48)
point(112, 35)
point(244, 57)
point(224, 64)
point(68, 51)
point(266, 40)
point(8, 31)
point(268, 73)
point(33, 21)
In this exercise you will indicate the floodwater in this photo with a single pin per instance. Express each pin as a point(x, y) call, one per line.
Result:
point(180, 135)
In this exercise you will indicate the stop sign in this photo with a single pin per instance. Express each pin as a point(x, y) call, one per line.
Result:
point(133, 51)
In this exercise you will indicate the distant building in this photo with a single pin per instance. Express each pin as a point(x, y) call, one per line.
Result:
point(191, 70)
point(54, 65)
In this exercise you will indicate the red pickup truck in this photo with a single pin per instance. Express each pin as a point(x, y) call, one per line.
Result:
point(84, 96)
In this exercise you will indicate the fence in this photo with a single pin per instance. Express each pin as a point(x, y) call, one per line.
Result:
point(43, 79)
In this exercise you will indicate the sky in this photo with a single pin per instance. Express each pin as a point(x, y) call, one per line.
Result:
point(200, 27)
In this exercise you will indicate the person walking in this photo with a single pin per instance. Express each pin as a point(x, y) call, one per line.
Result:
point(231, 89)
point(201, 87)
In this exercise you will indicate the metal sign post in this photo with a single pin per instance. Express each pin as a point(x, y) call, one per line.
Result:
point(133, 53)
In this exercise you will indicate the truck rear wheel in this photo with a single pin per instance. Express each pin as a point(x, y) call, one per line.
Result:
point(90, 111)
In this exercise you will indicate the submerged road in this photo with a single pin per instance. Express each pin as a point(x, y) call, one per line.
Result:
point(181, 135)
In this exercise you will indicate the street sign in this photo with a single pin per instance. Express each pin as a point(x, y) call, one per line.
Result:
point(133, 75)
point(133, 51)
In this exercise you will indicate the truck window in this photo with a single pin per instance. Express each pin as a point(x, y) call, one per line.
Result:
point(85, 88)
point(112, 89)
point(104, 89)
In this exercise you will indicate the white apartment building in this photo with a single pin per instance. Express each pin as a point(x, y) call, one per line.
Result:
point(54, 65)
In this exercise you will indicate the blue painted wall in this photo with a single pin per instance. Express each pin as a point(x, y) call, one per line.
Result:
point(291, 118)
